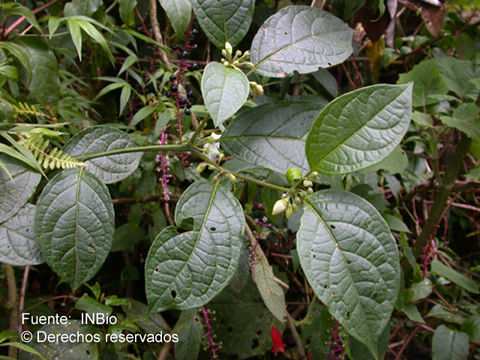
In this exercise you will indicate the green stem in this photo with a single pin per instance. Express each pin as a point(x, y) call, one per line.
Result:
point(197, 132)
point(173, 147)
point(240, 176)
point(11, 305)
point(440, 201)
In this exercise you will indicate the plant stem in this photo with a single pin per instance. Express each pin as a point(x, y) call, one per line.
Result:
point(440, 201)
point(11, 305)
point(168, 147)
point(240, 176)
point(158, 34)
point(21, 300)
point(296, 337)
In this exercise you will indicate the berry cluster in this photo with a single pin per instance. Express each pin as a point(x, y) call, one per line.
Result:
point(182, 98)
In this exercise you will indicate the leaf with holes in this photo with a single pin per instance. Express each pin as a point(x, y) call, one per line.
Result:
point(187, 270)
point(359, 129)
point(18, 245)
point(179, 13)
point(224, 90)
point(224, 20)
point(15, 188)
point(97, 139)
point(351, 261)
point(74, 225)
point(300, 38)
point(261, 134)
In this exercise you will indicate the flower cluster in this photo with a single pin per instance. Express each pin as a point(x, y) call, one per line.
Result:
point(212, 344)
point(163, 167)
point(336, 347)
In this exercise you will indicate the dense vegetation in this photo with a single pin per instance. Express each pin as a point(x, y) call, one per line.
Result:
point(240, 179)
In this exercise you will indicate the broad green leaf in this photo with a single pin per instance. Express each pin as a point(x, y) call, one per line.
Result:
point(465, 118)
point(262, 135)
point(351, 261)
point(190, 332)
point(318, 328)
point(74, 225)
point(19, 53)
point(448, 344)
point(471, 326)
point(440, 312)
point(44, 85)
point(179, 13)
point(427, 82)
point(358, 351)
point(18, 245)
point(66, 350)
point(418, 290)
point(359, 129)
point(458, 75)
point(137, 311)
point(395, 163)
point(395, 224)
point(92, 306)
point(242, 322)
point(82, 7)
point(327, 81)
point(454, 276)
point(271, 292)
point(224, 91)
point(126, 8)
point(187, 270)
point(224, 20)
point(98, 139)
point(411, 310)
point(15, 188)
point(300, 38)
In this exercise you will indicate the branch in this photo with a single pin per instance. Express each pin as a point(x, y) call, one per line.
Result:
point(21, 18)
point(176, 148)
point(11, 304)
point(440, 201)
point(158, 34)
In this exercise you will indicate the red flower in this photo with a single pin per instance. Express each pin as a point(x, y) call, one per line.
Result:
point(278, 345)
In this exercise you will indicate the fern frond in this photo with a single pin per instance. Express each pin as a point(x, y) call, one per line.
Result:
point(52, 158)
point(26, 109)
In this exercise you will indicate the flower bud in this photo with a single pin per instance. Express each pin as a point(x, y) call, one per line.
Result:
point(200, 168)
point(226, 63)
point(238, 53)
point(310, 190)
point(307, 183)
point(228, 48)
point(257, 90)
point(224, 52)
point(293, 175)
point(280, 206)
point(231, 177)
point(289, 211)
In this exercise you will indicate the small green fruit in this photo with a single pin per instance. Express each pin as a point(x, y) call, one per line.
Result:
point(293, 175)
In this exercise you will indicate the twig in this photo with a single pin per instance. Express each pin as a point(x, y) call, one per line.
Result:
point(164, 352)
point(11, 304)
point(21, 18)
point(296, 337)
point(21, 300)
point(158, 34)
point(405, 344)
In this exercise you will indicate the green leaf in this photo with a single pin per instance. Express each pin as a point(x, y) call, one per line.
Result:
point(44, 85)
point(82, 7)
point(327, 81)
point(454, 276)
point(19, 53)
point(187, 270)
point(15, 188)
point(359, 129)
point(124, 97)
point(418, 290)
point(92, 306)
point(260, 135)
point(76, 34)
point(358, 351)
point(411, 310)
point(141, 114)
point(95, 35)
point(126, 11)
point(396, 224)
point(351, 261)
point(20, 10)
point(243, 322)
point(137, 311)
point(448, 344)
point(300, 38)
point(224, 91)
point(18, 245)
point(190, 332)
point(65, 350)
point(466, 119)
point(224, 20)
point(271, 292)
point(471, 326)
point(439, 312)
point(98, 139)
point(74, 225)
point(179, 13)
point(458, 75)
point(427, 82)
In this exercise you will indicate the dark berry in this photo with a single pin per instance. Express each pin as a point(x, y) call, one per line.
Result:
point(194, 66)
point(183, 100)
point(173, 88)
point(189, 105)
point(194, 46)
point(184, 53)
point(168, 93)
point(188, 111)
point(189, 93)
point(175, 47)
point(173, 78)
point(194, 31)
